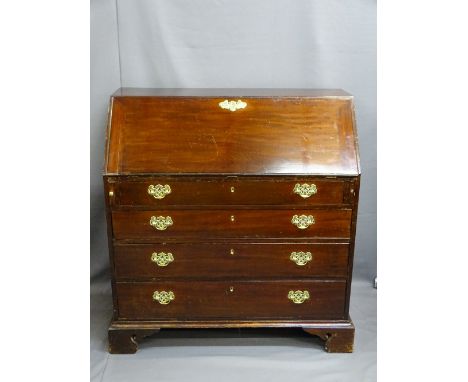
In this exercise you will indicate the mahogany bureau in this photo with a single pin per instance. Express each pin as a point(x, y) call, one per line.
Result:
point(231, 208)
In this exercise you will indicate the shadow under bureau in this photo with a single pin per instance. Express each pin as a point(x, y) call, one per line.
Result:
point(231, 208)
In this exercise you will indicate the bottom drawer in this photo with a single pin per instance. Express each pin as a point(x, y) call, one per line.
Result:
point(178, 300)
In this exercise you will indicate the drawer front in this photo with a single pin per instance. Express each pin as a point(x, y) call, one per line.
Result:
point(228, 191)
point(206, 260)
point(231, 223)
point(242, 300)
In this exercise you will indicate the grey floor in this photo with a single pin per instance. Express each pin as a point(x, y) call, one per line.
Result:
point(236, 355)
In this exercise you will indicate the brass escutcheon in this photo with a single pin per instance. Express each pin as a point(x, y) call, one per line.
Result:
point(162, 259)
point(305, 190)
point(163, 297)
point(298, 296)
point(232, 105)
point(159, 191)
point(302, 221)
point(160, 223)
point(301, 258)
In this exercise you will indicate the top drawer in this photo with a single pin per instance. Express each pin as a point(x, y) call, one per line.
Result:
point(166, 191)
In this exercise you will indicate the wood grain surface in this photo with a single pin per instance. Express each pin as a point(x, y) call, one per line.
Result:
point(183, 135)
point(199, 191)
point(230, 260)
point(231, 223)
point(248, 299)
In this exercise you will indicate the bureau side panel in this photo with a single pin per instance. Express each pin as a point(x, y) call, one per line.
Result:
point(355, 191)
point(109, 184)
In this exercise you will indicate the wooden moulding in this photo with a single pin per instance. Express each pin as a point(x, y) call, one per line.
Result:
point(124, 336)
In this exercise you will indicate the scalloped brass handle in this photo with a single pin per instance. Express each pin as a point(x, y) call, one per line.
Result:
point(301, 258)
point(162, 259)
point(302, 221)
point(305, 190)
point(161, 223)
point(298, 296)
point(163, 297)
point(159, 191)
point(233, 105)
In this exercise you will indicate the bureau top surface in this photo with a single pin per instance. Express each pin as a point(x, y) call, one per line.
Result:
point(231, 131)
point(229, 92)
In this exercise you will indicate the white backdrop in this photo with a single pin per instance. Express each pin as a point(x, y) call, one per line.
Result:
point(236, 43)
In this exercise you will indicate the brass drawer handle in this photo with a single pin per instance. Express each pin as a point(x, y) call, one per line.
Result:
point(160, 223)
point(159, 191)
point(233, 105)
point(302, 221)
point(305, 190)
point(163, 297)
point(298, 296)
point(301, 258)
point(162, 259)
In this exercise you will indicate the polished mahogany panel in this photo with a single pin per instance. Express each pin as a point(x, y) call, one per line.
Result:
point(231, 299)
point(231, 223)
point(227, 191)
point(271, 135)
point(230, 260)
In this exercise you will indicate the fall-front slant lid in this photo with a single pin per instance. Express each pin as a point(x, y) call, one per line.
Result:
point(231, 131)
